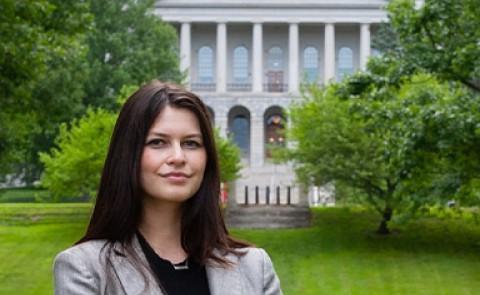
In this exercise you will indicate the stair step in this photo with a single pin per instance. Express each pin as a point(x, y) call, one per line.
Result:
point(264, 216)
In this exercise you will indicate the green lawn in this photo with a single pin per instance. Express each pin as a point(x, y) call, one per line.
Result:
point(338, 255)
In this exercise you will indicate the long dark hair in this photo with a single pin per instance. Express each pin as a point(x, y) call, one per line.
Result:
point(117, 211)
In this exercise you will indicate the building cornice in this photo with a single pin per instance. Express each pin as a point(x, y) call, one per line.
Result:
point(282, 4)
point(260, 12)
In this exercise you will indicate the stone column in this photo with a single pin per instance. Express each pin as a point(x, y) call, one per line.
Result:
point(185, 51)
point(256, 140)
point(257, 74)
point(364, 45)
point(329, 56)
point(293, 58)
point(221, 57)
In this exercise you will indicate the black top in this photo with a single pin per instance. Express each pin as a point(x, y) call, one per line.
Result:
point(184, 278)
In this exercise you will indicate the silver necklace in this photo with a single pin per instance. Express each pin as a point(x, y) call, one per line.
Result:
point(181, 265)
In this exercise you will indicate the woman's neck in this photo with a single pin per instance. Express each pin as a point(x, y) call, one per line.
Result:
point(161, 227)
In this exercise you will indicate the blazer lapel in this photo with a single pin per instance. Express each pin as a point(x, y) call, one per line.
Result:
point(129, 276)
point(224, 280)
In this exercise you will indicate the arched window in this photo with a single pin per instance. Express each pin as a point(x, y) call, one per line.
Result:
point(345, 63)
point(205, 65)
point(239, 128)
point(310, 64)
point(240, 64)
point(275, 58)
point(274, 129)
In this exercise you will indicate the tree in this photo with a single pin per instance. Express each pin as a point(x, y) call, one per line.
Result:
point(41, 62)
point(374, 133)
point(128, 45)
point(440, 37)
point(73, 168)
point(228, 158)
point(58, 56)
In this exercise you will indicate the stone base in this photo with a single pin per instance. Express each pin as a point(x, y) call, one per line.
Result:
point(268, 216)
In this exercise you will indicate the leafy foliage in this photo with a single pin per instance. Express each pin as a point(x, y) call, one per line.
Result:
point(228, 157)
point(128, 45)
point(441, 37)
point(60, 56)
point(74, 167)
point(41, 64)
point(385, 136)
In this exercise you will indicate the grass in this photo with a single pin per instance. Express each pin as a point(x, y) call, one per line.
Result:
point(338, 255)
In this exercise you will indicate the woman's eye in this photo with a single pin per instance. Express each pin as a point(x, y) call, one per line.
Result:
point(156, 142)
point(192, 144)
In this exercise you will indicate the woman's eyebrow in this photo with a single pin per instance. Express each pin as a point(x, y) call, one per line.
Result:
point(194, 135)
point(161, 134)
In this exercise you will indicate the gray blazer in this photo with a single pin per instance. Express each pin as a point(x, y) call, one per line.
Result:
point(81, 270)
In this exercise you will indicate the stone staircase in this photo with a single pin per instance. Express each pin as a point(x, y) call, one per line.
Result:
point(267, 216)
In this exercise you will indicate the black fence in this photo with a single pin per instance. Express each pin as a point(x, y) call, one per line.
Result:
point(271, 196)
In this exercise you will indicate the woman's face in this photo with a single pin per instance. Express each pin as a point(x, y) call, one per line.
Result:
point(174, 157)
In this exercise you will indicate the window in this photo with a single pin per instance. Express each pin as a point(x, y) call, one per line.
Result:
point(274, 129)
point(310, 64)
point(240, 64)
point(205, 65)
point(241, 133)
point(239, 128)
point(345, 63)
point(275, 58)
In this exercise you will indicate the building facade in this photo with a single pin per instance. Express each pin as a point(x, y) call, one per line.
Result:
point(248, 60)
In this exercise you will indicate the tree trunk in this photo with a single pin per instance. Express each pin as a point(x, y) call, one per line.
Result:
point(387, 215)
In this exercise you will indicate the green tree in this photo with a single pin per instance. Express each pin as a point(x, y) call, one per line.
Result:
point(41, 64)
point(73, 168)
point(373, 133)
point(128, 45)
point(440, 37)
point(228, 157)
point(59, 56)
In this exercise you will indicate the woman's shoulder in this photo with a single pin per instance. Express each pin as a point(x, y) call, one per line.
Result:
point(252, 257)
point(257, 267)
point(90, 250)
point(253, 253)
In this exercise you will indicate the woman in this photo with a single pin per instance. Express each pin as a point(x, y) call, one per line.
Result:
point(157, 227)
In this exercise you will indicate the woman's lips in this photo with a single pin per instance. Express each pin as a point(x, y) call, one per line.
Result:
point(176, 177)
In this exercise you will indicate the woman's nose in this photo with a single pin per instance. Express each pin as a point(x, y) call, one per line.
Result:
point(177, 155)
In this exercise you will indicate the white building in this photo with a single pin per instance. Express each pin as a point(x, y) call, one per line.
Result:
point(247, 60)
